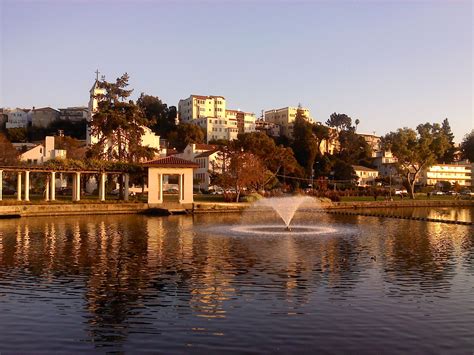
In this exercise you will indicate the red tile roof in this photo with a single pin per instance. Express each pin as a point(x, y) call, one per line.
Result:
point(171, 162)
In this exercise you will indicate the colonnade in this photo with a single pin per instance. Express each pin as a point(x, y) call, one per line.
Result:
point(23, 188)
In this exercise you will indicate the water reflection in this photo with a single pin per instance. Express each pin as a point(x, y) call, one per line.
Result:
point(134, 279)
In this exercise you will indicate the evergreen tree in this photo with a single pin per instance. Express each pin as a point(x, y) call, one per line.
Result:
point(448, 156)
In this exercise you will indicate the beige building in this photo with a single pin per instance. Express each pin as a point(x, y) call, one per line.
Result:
point(460, 173)
point(16, 117)
point(43, 152)
point(204, 155)
point(270, 128)
point(373, 141)
point(366, 176)
point(285, 118)
point(43, 117)
point(211, 113)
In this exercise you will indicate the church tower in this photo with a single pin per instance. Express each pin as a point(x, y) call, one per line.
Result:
point(93, 103)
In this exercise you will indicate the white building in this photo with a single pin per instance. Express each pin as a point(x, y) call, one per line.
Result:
point(366, 176)
point(204, 155)
point(43, 152)
point(210, 113)
point(460, 173)
point(385, 163)
point(17, 117)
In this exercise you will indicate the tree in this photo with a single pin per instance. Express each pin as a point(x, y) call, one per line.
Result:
point(277, 159)
point(118, 125)
point(448, 156)
point(321, 133)
point(345, 172)
point(8, 153)
point(238, 170)
point(161, 118)
point(186, 133)
point(305, 146)
point(339, 121)
point(357, 121)
point(467, 146)
point(17, 135)
point(353, 149)
point(415, 150)
point(74, 148)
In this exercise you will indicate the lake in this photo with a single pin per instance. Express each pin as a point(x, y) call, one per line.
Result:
point(189, 284)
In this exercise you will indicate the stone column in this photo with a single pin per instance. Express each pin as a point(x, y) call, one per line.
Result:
point(27, 185)
point(126, 182)
point(102, 180)
point(52, 181)
point(46, 188)
point(160, 188)
point(1, 185)
point(181, 187)
point(77, 186)
point(18, 186)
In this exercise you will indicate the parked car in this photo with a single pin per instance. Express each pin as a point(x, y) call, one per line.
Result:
point(438, 193)
point(467, 192)
point(401, 192)
point(452, 193)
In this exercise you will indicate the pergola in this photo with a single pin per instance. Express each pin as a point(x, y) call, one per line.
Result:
point(170, 166)
point(50, 185)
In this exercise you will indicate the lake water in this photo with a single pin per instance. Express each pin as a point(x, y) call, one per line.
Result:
point(188, 284)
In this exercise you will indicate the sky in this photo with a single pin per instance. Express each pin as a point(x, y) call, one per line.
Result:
point(390, 64)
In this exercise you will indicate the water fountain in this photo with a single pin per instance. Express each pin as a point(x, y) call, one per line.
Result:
point(276, 210)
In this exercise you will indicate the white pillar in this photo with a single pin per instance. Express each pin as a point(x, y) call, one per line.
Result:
point(18, 186)
point(1, 184)
point(181, 187)
point(53, 186)
point(77, 186)
point(27, 185)
point(46, 188)
point(102, 179)
point(160, 188)
point(126, 182)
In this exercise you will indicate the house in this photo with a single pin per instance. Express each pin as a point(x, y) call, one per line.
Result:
point(74, 114)
point(204, 155)
point(41, 153)
point(43, 117)
point(17, 117)
point(366, 175)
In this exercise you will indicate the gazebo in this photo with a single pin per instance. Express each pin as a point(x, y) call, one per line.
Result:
point(170, 166)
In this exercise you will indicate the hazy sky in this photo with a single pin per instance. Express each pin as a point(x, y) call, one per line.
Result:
point(388, 63)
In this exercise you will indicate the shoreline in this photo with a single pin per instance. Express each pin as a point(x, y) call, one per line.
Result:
point(67, 209)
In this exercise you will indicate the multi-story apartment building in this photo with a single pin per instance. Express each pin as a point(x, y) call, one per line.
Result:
point(373, 141)
point(210, 113)
point(460, 173)
point(385, 163)
point(43, 117)
point(17, 117)
point(285, 118)
point(74, 114)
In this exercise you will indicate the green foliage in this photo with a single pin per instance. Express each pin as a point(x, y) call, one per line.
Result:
point(161, 118)
point(17, 135)
point(186, 133)
point(448, 156)
point(353, 148)
point(340, 121)
point(416, 150)
point(305, 146)
point(344, 171)
point(467, 146)
point(118, 125)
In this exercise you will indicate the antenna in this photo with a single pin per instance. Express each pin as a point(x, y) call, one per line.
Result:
point(97, 74)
